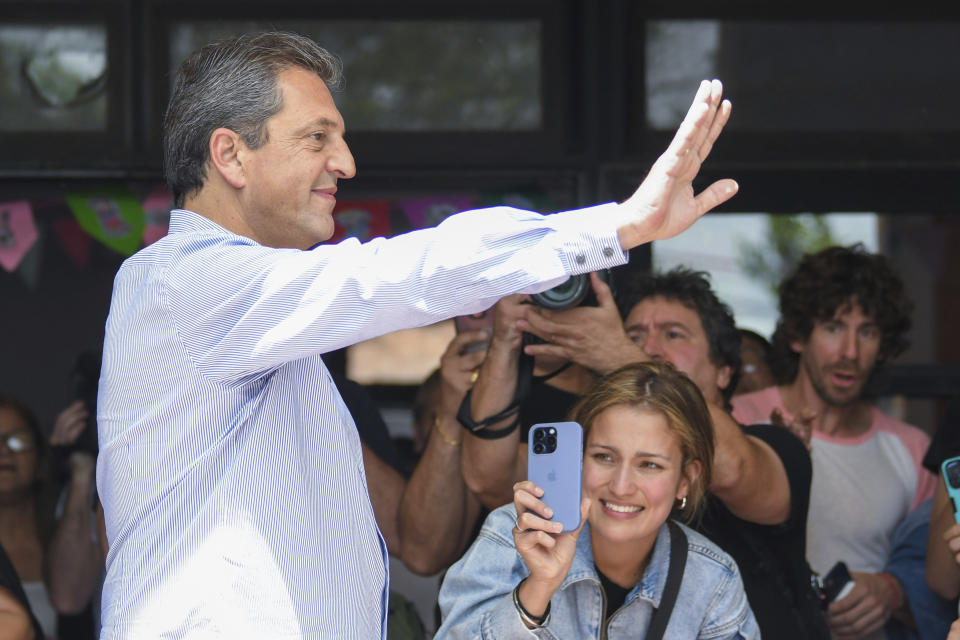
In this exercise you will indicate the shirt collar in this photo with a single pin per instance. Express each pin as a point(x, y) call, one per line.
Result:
point(185, 220)
point(654, 578)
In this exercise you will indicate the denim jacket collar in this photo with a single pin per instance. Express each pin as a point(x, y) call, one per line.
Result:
point(654, 578)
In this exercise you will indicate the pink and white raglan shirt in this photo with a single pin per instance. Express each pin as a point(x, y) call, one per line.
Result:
point(862, 486)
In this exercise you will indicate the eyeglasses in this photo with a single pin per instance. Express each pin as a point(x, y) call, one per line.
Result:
point(17, 442)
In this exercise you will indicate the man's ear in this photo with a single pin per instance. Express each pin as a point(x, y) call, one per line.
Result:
point(225, 156)
point(723, 378)
point(797, 346)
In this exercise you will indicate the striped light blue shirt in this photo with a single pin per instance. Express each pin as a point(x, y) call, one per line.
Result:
point(230, 471)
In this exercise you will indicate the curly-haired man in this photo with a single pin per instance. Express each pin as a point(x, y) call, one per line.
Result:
point(844, 311)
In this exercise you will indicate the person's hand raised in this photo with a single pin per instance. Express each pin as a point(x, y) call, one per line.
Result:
point(458, 369)
point(506, 314)
point(593, 337)
point(547, 553)
point(800, 425)
point(664, 204)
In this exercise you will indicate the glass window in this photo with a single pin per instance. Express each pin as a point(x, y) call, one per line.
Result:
point(806, 76)
point(400, 358)
point(416, 75)
point(53, 77)
point(747, 254)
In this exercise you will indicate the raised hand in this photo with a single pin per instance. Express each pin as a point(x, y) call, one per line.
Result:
point(664, 204)
point(592, 337)
point(801, 425)
point(69, 424)
point(458, 367)
point(547, 553)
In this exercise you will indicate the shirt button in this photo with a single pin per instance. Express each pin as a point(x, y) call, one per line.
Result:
point(580, 259)
point(607, 252)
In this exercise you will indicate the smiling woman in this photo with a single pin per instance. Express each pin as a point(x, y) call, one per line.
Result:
point(629, 569)
point(24, 528)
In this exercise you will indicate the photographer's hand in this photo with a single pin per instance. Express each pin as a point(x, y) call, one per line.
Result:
point(593, 337)
point(74, 556)
point(69, 424)
point(490, 467)
point(664, 204)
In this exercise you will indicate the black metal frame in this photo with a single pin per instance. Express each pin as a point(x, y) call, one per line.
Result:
point(35, 153)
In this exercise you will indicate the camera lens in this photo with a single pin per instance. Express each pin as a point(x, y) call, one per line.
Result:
point(953, 473)
point(565, 295)
point(539, 448)
point(552, 442)
point(537, 435)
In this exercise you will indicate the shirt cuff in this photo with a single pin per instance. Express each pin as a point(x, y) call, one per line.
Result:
point(588, 238)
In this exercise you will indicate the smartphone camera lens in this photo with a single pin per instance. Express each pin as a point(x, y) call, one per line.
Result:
point(537, 435)
point(953, 473)
point(539, 447)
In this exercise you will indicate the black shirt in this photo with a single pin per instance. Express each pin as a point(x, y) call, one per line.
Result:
point(946, 440)
point(371, 427)
point(10, 581)
point(544, 404)
point(772, 558)
point(615, 595)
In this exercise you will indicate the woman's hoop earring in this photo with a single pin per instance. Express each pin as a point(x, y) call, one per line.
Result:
point(683, 503)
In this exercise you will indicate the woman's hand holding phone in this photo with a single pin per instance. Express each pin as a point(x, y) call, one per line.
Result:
point(547, 553)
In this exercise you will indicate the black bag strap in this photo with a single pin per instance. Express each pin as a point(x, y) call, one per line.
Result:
point(678, 562)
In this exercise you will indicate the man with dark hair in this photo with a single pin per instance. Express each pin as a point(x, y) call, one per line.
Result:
point(230, 470)
point(843, 312)
point(652, 307)
point(756, 508)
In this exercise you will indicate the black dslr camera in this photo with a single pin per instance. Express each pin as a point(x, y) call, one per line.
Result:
point(575, 292)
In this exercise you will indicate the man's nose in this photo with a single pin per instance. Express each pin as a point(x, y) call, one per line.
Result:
point(340, 163)
point(851, 346)
point(653, 347)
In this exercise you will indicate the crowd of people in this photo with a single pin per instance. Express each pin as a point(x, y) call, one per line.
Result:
point(248, 491)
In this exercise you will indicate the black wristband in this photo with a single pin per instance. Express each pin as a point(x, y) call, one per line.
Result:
point(481, 429)
point(525, 615)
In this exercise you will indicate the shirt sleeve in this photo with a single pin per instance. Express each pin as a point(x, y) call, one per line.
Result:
point(476, 598)
point(798, 466)
point(729, 615)
point(242, 309)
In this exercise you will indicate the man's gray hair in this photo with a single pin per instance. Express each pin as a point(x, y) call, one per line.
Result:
point(231, 84)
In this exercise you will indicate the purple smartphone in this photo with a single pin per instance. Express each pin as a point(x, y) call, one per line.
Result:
point(554, 463)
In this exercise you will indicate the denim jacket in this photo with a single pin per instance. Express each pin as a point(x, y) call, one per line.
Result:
point(476, 596)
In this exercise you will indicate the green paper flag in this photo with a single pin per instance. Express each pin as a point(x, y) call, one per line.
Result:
point(113, 216)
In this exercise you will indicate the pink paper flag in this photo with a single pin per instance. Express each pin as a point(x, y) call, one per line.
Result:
point(429, 212)
point(17, 233)
point(156, 208)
